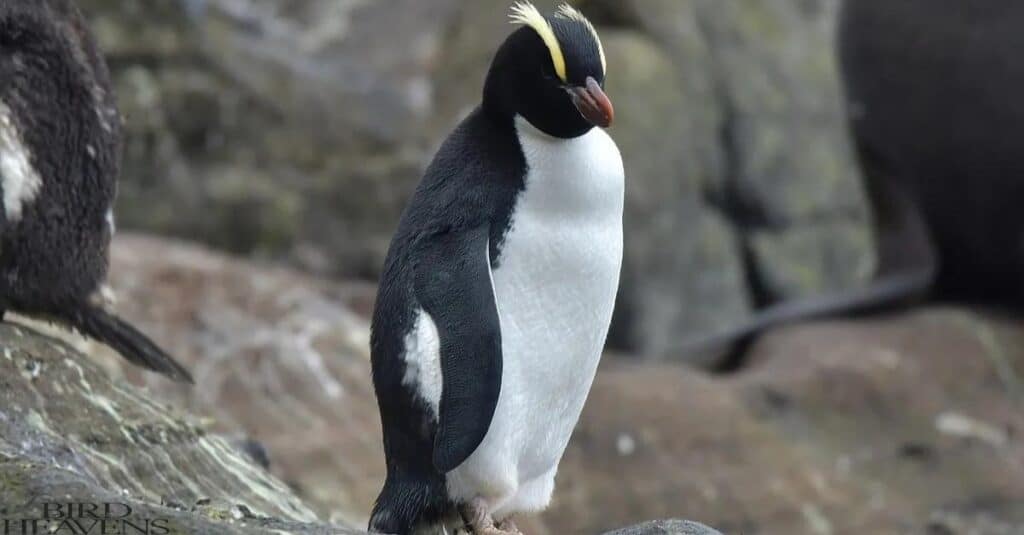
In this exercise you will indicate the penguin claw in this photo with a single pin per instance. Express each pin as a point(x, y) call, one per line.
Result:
point(477, 516)
point(509, 526)
point(496, 531)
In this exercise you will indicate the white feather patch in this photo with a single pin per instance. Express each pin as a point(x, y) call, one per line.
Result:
point(20, 181)
point(423, 361)
point(111, 224)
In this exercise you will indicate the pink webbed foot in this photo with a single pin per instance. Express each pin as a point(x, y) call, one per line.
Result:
point(477, 516)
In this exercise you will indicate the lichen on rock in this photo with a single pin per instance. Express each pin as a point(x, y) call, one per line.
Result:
point(70, 434)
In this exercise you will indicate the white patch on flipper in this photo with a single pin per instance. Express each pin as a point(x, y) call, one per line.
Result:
point(20, 181)
point(423, 361)
point(111, 224)
point(555, 287)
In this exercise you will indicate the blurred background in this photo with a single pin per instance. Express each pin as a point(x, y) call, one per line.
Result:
point(295, 131)
point(271, 145)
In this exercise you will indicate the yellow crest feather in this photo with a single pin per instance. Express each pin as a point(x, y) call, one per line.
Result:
point(568, 12)
point(526, 13)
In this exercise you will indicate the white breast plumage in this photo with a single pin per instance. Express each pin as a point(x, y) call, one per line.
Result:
point(555, 287)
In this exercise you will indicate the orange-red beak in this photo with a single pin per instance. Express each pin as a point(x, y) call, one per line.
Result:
point(593, 104)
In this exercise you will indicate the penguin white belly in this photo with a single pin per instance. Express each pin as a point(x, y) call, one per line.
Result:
point(555, 286)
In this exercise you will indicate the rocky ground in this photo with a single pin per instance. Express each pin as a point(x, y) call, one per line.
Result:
point(296, 130)
point(902, 424)
point(293, 132)
point(71, 434)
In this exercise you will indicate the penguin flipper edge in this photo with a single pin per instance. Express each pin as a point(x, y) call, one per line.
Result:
point(453, 285)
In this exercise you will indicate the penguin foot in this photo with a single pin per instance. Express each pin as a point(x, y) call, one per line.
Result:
point(477, 516)
point(495, 531)
point(509, 526)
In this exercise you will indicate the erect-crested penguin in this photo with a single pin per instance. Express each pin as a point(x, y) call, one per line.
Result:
point(60, 148)
point(498, 288)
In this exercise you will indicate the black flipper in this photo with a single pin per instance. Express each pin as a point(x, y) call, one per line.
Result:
point(453, 285)
point(134, 346)
point(907, 267)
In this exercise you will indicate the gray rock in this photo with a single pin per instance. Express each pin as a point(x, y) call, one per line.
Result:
point(805, 260)
point(28, 487)
point(296, 131)
point(679, 252)
point(910, 417)
point(667, 527)
point(792, 167)
point(287, 130)
point(71, 435)
point(732, 109)
point(68, 434)
point(276, 355)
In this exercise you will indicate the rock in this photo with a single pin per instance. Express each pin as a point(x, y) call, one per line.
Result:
point(886, 425)
point(297, 132)
point(756, 135)
point(666, 167)
point(667, 527)
point(70, 435)
point(807, 260)
point(283, 129)
point(276, 356)
point(794, 170)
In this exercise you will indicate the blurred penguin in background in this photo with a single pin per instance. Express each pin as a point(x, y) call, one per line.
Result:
point(932, 89)
point(60, 150)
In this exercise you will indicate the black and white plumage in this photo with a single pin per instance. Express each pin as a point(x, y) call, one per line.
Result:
point(60, 148)
point(498, 288)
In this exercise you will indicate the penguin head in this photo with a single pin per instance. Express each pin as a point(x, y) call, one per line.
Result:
point(551, 71)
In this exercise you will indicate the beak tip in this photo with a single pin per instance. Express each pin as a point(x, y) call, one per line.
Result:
point(609, 118)
point(594, 104)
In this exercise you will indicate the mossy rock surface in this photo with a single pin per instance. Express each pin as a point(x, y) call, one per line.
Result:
point(68, 434)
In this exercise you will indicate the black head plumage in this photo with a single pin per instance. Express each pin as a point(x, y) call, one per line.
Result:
point(551, 71)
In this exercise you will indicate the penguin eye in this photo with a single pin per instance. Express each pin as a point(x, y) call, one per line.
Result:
point(549, 75)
